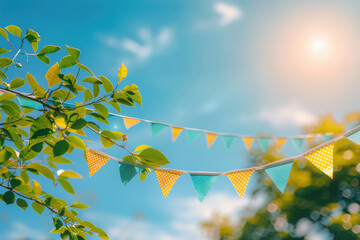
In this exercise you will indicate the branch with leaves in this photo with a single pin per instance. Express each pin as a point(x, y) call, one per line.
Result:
point(56, 128)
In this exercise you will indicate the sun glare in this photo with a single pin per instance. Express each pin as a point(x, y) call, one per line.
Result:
point(319, 46)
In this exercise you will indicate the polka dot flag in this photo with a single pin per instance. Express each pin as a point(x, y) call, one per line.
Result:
point(240, 180)
point(166, 179)
point(95, 161)
point(323, 159)
point(129, 122)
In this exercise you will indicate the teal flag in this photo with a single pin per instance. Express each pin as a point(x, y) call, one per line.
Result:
point(327, 137)
point(127, 172)
point(228, 140)
point(156, 128)
point(192, 135)
point(280, 174)
point(202, 184)
point(264, 143)
point(355, 137)
point(298, 142)
point(25, 102)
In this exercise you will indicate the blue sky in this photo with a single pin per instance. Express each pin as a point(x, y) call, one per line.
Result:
point(245, 67)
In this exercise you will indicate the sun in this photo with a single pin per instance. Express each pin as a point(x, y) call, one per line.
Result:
point(319, 46)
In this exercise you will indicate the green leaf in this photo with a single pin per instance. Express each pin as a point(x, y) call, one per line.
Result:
point(32, 82)
point(92, 80)
point(66, 185)
point(10, 108)
point(87, 95)
point(52, 75)
point(79, 124)
point(74, 52)
point(15, 30)
point(101, 109)
point(25, 176)
point(94, 126)
point(4, 34)
point(42, 122)
point(67, 61)
point(83, 67)
point(5, 62)
point(96, 90)
point(76, 142)
point(143, 175)
point(21, 203)
point(60, 160)
point(33, 37)
point(3, 50)
point(115, 105)
point(62, 94)
point(123, 99)
point(17, 83)
point(122, 72)
point(60, 148)
point(43, 58)
point(37, 188)
point(57, 223)
point(9, 197)
point(43, 170)
point(4, 156)
point(106, 142)
point(99, 117)
point(69, 174)
point(39, 208)
point(132, 92)
point(15, 182)
point(154, 156)
point(79, 205)
point(49, 49)
point(108, 87)
point(140, 148)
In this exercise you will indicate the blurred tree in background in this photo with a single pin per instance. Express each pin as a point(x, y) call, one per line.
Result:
point(313, 206)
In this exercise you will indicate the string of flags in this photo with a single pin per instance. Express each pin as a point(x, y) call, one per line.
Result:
point(320, 156)
point(192, 133)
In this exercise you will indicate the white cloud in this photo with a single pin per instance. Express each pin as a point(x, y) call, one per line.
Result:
point(184, 220)
point(289, 114)
point(148, 44)
point(21, 231)
point(228, 13)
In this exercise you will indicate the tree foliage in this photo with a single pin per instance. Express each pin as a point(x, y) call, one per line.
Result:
point(48, 124)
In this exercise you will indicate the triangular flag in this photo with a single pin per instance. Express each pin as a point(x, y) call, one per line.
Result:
point(280, 174)
point(25, 102)
point(228, 140)
point(280, 142)
point(156, 128)
point(166, 179)
point(192, 135)
point(240, 180)
point(355, 137)
point(264, 143)
point(298, 142)
point(129, 122)
point(309, 139)
point(95, 161)
point(248, 142)
point(175, 132)
point(202, 184)
point(210, 137)
point(127, 172)
point(323, 159)
point(327, 137)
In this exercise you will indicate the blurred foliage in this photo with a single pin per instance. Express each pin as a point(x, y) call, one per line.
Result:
point(47, 123)
point(312, 204)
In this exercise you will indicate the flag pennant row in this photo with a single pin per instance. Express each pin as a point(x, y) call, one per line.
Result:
point(156, 128)
point(166, 179)
point(202, 184)
point(264, 143)
point(323, 159)
point(248, 141)
point(192, 135)
point(95, 161)
point(240, 180)
point(210, 137)
point(280, 174)
point(298, 143)
point(228, 140)
point(129, 122)
point(175, 132)
point(127, 172)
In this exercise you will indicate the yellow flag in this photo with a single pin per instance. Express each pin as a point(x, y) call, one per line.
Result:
point(175, 132)
point(240, 180)
point(167, 179)
point(248, 142)
point(129, 122)
point(280, 142)
point(323, 159)
point(210, 137)
point(95, 161)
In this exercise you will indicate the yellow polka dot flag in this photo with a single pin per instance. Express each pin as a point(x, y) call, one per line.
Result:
point(240, 180)
point(248, 142)
point(210, 137)
point(166, 179)
point(323, 159)
point(95, 161)
point(175, 132)
point(129, 122)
